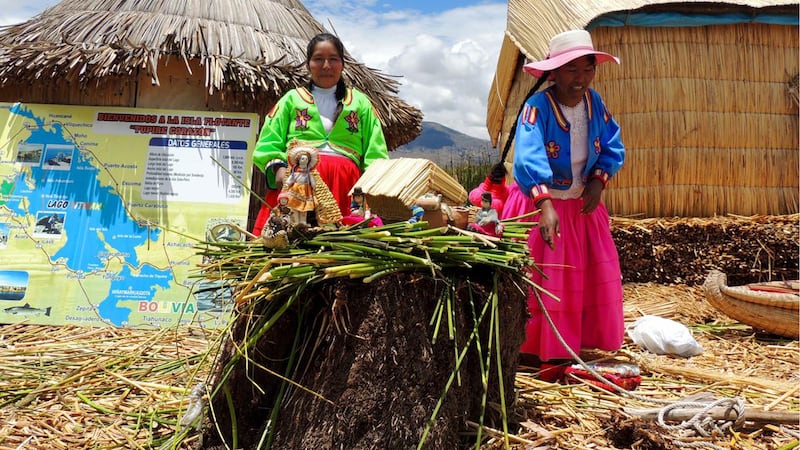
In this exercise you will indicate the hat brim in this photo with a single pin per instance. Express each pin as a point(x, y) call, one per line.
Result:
point(294, 153)
point(537, 68)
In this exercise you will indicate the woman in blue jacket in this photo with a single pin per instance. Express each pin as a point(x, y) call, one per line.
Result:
point(567, 148)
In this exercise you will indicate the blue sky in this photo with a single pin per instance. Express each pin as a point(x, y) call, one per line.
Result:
point(426, 6)
point(444, 52)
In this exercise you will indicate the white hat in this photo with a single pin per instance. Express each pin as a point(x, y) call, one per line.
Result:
point(565, 47)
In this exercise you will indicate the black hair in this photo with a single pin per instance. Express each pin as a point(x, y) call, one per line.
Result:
point(341, 88)
point(496, 169)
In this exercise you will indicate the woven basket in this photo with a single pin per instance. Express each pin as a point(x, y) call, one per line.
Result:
point(774, 312)
point(328, 211)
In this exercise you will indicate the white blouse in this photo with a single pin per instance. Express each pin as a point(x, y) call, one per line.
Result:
point(578, 148)
point(326, 104)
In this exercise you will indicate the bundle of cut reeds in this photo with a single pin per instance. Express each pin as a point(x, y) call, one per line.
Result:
point(363, 253)
point(394, 185)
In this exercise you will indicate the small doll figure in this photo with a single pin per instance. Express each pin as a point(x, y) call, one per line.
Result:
point(359, 210)
point(486, 219)
point(358, 205)
point(300, 183)
point(274, 234)
point(416, 213)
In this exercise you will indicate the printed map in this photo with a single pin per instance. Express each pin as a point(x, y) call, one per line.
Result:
point(101, 209)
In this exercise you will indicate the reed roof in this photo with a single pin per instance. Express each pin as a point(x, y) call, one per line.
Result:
point(531, 24)
point(248, 46)
point(709, 114)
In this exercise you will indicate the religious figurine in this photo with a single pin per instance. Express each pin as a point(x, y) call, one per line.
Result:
point(301, 183)
point(486, 219)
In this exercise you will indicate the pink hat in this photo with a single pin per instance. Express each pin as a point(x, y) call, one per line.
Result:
point(564, 47)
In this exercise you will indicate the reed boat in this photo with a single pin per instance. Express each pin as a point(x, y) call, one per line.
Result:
point(772, 306)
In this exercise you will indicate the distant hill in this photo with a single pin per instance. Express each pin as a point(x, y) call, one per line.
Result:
point(446, 146)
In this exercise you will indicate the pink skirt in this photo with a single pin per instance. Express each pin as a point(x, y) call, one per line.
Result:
point(516, 204)
point(582, 272)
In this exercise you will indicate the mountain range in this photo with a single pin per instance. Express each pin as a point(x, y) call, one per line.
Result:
point(446, 146)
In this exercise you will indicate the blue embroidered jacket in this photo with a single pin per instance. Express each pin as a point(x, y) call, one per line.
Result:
point(542, 156)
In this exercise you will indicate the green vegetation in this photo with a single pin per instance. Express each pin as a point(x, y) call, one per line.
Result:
point(472, 171)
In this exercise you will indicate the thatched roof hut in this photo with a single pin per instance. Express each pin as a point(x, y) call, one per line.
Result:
point(706, 96)
point(220, 55)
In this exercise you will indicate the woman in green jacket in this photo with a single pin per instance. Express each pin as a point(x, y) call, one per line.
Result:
point(338, 120)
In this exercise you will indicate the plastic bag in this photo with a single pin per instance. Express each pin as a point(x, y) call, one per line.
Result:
point(663, 336)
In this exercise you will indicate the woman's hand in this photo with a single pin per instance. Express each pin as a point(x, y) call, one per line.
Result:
point(591, 195)
point(549, 224)
point(280, 177)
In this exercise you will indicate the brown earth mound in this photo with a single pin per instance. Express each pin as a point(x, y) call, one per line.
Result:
point(368, 372)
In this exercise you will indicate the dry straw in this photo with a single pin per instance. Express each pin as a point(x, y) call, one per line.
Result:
point(83, 388)
point(79, 388)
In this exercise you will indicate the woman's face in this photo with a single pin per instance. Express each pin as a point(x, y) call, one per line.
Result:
point(325, 65)
point(573, 79)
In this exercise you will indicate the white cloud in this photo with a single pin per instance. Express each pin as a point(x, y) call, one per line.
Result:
point(446, 61)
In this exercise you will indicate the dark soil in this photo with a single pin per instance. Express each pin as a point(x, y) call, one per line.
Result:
point(625, 432)
point(374, 382)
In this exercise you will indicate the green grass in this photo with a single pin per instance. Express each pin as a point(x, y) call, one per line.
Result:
point(472, 172)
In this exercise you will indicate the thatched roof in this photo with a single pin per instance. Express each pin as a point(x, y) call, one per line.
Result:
point(245, 46)
point(531, 24)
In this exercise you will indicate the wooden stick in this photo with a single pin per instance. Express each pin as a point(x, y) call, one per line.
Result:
point(720, 413)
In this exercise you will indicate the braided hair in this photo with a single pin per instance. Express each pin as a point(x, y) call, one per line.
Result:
point(498, 171)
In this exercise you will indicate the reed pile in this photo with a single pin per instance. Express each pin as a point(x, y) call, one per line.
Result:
point(74, 387)
point(257, 272)
point(681, 250)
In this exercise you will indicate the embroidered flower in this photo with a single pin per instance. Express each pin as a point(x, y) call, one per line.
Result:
point(553, 149)
point(352, 121)
point(301, 119)
point(597, 145)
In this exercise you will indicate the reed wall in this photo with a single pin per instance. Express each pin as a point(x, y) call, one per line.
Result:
point(709, 117)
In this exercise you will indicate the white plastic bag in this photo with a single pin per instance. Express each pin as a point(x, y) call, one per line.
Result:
point(663, 336)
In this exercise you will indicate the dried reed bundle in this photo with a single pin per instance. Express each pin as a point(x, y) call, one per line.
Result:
point(327, 209)
point(793, 89)
point(394, 185)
